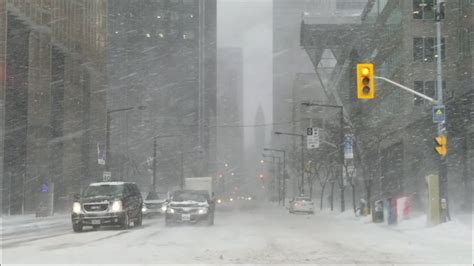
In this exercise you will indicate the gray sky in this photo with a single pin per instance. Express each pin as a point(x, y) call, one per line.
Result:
point(248, 24)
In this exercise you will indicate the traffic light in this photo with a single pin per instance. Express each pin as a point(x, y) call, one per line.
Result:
point(441, 145)
point(365, 81)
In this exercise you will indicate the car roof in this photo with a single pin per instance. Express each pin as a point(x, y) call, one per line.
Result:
point(194, 191)
point(114, 183)
point(302, 198)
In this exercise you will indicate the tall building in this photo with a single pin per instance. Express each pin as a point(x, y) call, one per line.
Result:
point(162, 55)
point(394, 134)
point(230, 133)
point(403, 49)
point(52, 84)
point(288, 59)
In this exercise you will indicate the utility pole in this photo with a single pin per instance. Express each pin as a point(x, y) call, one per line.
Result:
point(341, 139)
point(302, 156)
point(283, 192)
point(154, 163)
point(443, 168)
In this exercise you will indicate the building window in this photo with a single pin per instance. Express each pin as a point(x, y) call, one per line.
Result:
point(424, 49)
point(428, 88)
point(424, 9)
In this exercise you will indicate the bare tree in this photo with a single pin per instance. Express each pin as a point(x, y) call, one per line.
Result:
point(342, 187)
point(352, 181)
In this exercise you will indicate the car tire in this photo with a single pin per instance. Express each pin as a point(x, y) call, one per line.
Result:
point(125, 222)
point(77, 228)
point(139, 220)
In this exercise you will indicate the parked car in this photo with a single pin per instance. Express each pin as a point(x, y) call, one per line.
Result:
point(190, 206)
point(107, 203)
point(154, 204)
point(301, 204)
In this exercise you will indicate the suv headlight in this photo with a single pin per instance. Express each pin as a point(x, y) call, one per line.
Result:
point(163, 208)
point(117, 206)
point(170, 210)
point(76, 207)
point(144, 209)
point(202, 210)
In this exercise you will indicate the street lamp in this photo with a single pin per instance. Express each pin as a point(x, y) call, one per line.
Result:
point(107, 138)
point(341, 109)
point(278, 176)
point(302, 155)
point(284, 170)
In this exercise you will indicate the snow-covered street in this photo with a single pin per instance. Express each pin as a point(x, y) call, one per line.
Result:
point(266, 234)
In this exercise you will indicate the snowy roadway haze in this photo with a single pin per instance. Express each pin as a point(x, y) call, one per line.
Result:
point(265, 234)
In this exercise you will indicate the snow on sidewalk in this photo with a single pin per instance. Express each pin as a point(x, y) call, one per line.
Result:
point(455, 237)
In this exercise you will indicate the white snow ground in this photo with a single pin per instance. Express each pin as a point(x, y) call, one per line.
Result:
point(267, 234)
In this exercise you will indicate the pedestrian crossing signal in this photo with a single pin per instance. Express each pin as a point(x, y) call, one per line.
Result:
point(365, 81)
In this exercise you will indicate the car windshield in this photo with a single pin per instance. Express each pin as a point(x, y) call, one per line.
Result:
point(103, 190)
point(189, 196)
point(152, 196)
point(302, 199)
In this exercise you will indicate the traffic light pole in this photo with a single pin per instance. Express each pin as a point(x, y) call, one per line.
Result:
point(443, 168)
point(408, 89)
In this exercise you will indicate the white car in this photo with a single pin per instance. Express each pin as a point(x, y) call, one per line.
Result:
point(301, 204)
point(154, 204)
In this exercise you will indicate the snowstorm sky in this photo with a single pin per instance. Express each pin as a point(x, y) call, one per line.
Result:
point(247, 24)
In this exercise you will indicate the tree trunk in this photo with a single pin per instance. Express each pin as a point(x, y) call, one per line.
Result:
point(322, 197)
point(353, 197)
point(332, 196)
point(343, 205)
point(369, 189)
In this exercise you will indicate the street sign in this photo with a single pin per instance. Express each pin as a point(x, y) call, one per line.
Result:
point(312, 137)
point(107, 176)
point(439, 114)
point(101, 153)
point(44, 188)
point(348, 151)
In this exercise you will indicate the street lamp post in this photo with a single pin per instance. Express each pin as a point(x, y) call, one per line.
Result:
point(341, 150)
point(279, 171)
point(302, 156)
point(284, 171)
point(107, 137)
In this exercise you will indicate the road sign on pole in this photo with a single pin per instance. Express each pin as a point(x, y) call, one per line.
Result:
point(439, 114)
point(101, 153)
point(107, 176)
point(348, 151)
point(312, 137)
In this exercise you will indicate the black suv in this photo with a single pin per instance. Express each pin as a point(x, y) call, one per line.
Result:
point(190, 206)
point(107, 203)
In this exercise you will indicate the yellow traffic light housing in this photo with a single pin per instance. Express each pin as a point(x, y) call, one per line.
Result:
point(365, 81)
point(441, 145)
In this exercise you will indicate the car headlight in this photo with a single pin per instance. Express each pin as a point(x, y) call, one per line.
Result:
point(219, 201)
point(144, 209)
point(117, 206)
point(202, 210)
point(249, 198)
point(76, 207)
point(170, 210)
point(163, 208)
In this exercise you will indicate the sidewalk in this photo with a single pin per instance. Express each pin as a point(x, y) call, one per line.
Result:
point(457, 234)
